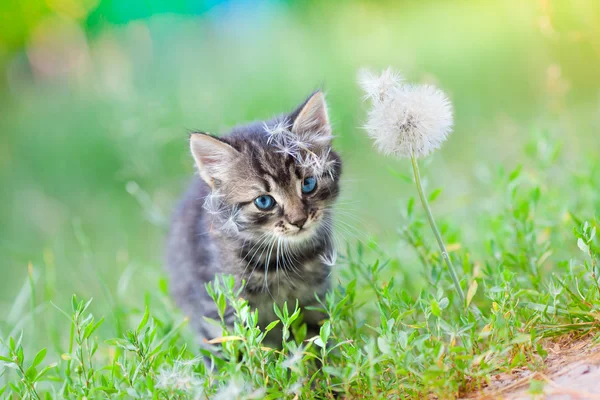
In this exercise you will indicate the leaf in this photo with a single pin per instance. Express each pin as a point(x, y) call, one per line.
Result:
point(122, 343)
point(271, 325)
point(435, 194)
point(582, 246)
point(435, 308)
point(92, 328)
point(5, 359)
point(383, 345)
point(144, 320)
point(20, 355)
point(39, 357)
point(325, 331)
point(224, 339)
point(515, 173)
point(444, 303)
point(319, 342)
point(471, 292)
point(410, 206)
point(221, 303)
point(74, 303)
point(31, 373)
point(44, 371)
point(87, 304)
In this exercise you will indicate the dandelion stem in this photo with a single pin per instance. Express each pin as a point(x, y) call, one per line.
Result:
point(435, 229)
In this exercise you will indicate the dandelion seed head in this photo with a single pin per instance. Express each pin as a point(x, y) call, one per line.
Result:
point(409, 118)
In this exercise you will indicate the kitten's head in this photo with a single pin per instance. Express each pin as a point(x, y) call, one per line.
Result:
point(272, 179)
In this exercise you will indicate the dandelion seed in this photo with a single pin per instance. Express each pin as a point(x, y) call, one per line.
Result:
point(278, 133)
point(230, 223)
point(226, 217)
point(380, 87)
point(180, 376)
point(302, 147)
point(294, 360)
point(213, 203)
point(329, 258)
point(236, 389)
point(406, 119)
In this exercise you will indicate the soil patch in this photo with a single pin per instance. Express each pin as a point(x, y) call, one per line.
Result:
point(571, 371)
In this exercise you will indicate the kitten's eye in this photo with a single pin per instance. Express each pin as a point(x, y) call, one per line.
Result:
point(309, 185)
point(264, 202)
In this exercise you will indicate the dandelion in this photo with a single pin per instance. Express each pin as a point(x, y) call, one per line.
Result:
point(406, 119)
point(409, 121)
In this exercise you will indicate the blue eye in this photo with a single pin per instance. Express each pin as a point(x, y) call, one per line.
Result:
point(264, 202)
point(309, 184)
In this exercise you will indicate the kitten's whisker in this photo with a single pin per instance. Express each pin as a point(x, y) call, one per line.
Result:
point(244, 245)
point(259, 257)
point(345, 228)
point(286, 263)
point(293, 259)
point(265, 241)
point(277, 264)
point(338, 242)
point(259, 243)
point(268, 261)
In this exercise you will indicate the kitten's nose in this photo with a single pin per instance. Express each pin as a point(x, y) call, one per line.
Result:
point(299, 221)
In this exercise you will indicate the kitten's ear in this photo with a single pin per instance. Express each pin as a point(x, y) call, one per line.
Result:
point(311, 120)
point(213, 157)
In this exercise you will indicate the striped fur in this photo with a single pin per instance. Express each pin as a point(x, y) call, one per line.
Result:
point(217, 228)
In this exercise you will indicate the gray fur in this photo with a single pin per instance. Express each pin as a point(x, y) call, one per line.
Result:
point(217, 229)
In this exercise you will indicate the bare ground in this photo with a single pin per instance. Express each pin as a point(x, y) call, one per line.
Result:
point(571, 371)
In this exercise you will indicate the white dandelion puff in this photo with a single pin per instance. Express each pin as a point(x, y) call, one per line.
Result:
point(406, 119)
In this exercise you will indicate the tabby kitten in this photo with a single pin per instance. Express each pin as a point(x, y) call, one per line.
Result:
point(260, 211)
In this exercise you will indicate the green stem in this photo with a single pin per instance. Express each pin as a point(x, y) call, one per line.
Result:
point(435, 229)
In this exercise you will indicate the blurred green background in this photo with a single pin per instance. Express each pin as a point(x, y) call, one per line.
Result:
point(97, 97)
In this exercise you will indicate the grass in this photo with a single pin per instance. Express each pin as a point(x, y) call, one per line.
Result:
point(385, 336)
point(92, 161)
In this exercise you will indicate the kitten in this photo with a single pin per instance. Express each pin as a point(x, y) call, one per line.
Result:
point(260, 211)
